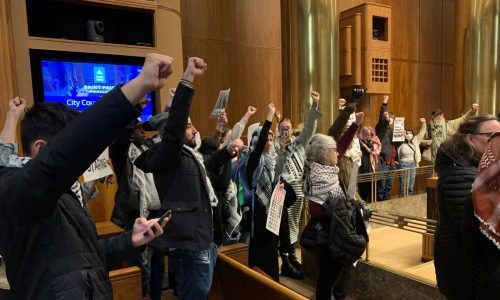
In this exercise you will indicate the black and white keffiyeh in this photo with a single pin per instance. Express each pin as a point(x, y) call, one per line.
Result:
point(322, 182)
point(210, 190)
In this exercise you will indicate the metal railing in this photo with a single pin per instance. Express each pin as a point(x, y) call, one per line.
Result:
point(404, 222)
point(405, 173)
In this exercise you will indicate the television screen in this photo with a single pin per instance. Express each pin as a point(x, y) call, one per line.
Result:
point(78, 83)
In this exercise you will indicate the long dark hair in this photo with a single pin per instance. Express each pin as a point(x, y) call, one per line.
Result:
point(457, 145)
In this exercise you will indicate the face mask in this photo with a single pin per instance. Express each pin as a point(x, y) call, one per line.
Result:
point(391, 120)
point(409, 136)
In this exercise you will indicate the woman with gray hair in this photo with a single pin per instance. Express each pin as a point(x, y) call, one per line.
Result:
point(335, 233)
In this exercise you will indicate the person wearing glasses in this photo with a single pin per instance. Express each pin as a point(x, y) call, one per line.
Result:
point(457, 161)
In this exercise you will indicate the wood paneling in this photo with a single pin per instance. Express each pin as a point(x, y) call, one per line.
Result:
point(429, 86)
point(448, 32)
point(431, 30)
point(405, 96)
point(8, 88)
point(240, 40)
point(405, 30)
point(423, 59)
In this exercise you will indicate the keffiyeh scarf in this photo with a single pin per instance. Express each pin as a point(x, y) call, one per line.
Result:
point(210, 190)
point(486, 191)
point(322, 182)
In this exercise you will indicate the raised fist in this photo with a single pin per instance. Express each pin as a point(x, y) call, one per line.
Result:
point(251, 110)
point(235, 146)
point(270, 109)
point(475, 106)
point(315, 96)
point(422, 120)
point(17, 107)
point(359, 118)
point(195, 66)
point(386, 99)
point(156, 69)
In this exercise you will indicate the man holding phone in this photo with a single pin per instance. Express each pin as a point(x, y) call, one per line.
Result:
point(47, 238)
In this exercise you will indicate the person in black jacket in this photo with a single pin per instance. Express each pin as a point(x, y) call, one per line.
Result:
point(181, 177)
point(388, 158)
point(456, 165)
point(47, 237)
point(331, 234)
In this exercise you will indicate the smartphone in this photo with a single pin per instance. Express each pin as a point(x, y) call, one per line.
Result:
point(285, 132)
point(166, 214)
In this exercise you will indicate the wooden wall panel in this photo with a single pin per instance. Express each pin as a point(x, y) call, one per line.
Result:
point(405, 29)
point(423, 59)
point(448, 93)
point(449, 32)
point(429, 88)
point(431, 30)
point(8, 88)
point(241, 43)
point(404, 99)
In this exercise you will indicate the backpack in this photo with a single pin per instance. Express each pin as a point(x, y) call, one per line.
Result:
point(245, 187)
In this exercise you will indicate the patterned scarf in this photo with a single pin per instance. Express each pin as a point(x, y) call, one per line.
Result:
point(210, 190)
point(267, 162)
point(144, 182)
point(486, 191)
point(322, 182)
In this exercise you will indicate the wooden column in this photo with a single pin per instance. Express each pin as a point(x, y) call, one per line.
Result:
point(8, 84)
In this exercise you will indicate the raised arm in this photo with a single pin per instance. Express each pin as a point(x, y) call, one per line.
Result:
point(8, 145)
point(383, 122)
point(345, 140)
point(254, 158)
point(310, 126)
point(454, 124)
point(40, 183)
point(239, 127)
point(166, 153)
point(341, 121)
point(423, 130)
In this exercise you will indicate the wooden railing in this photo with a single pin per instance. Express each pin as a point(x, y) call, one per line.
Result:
point(234, 280)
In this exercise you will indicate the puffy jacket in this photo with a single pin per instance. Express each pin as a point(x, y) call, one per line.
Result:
point(342, 231)
point(456, 278)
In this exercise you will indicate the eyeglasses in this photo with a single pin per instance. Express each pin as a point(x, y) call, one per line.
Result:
point(485, 133)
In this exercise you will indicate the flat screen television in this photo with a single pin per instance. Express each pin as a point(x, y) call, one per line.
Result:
point(78, 80)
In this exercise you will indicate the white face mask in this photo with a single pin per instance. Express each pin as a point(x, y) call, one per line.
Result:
point(409, 136)
point(391, 120)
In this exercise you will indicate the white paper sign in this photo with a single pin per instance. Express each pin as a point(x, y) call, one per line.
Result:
point(99, 168)
point(276, 209)
point(399, 130)
point(250, 131)
point(220, 106)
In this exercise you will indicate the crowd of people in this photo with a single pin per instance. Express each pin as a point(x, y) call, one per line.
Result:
point(221, 191)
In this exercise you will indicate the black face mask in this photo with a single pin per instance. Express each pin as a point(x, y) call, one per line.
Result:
point(369, 143)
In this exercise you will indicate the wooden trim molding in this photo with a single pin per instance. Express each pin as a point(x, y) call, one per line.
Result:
point(8, 82)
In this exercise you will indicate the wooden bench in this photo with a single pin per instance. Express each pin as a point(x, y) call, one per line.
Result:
point(234, 280)
point(126, 283)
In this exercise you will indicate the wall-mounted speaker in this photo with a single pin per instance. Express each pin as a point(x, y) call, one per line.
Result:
point(94, 30)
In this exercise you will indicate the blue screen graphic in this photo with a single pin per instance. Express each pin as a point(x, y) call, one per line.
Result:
point(80, 84)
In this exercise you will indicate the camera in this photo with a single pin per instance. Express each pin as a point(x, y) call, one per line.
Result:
point(358, 94)
point(94, 30)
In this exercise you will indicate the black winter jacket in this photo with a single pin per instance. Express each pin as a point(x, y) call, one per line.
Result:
point(342, 231)
point(180, 180)
point(456, 277)
point(48, 240)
